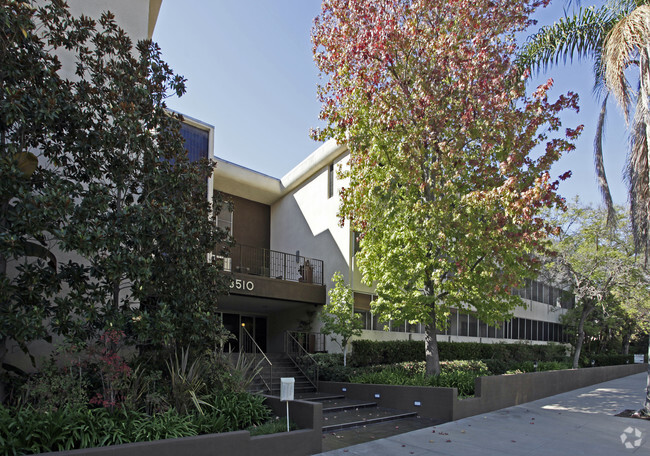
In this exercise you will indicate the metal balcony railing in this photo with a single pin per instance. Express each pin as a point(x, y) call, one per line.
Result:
point(246, 259)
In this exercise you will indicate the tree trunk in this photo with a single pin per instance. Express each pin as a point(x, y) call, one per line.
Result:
point(626, 343)
point(345, 355)
point(586, 310)
point(431, 345)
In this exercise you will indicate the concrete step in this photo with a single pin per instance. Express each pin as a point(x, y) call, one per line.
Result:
point(341, 405)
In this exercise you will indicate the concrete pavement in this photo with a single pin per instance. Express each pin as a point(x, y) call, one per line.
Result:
point(580, 422)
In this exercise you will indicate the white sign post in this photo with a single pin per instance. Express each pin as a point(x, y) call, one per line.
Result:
point(286, 393)
point(638, 359)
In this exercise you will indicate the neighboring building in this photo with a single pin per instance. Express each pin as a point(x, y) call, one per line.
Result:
point(290, 243)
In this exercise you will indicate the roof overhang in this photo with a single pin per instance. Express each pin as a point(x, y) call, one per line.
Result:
point(240, 181)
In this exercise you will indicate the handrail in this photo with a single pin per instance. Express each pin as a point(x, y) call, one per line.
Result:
point(293, 349)
point(250, 341)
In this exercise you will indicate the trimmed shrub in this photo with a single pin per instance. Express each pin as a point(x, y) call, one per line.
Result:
point(608, 359)
point(366, 352)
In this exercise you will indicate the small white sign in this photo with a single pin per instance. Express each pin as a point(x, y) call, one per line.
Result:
point(286, 388)
point(638, 359)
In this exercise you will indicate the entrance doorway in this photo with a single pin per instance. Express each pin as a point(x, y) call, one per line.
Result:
point(239, 324)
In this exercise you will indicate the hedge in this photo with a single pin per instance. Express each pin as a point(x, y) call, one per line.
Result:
point(367, 352)
point(606, 359)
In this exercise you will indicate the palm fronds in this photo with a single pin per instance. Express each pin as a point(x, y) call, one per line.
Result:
point(581, 35)
point(621, 49)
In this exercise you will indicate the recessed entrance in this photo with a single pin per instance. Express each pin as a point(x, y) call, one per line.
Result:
point(239, 324)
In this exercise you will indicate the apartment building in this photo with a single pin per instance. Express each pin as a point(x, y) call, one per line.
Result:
point(289, 243)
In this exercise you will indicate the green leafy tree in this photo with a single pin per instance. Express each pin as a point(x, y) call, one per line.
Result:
point(443, 187)
point(338, 315)
point(616, 37)
point(113, 190)
point(36, 200)
point(594, 262)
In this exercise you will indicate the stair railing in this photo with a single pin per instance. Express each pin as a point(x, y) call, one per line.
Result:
point(248, 345)
point(301, 358)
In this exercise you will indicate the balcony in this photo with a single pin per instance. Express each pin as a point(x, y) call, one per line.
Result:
point(261, 262)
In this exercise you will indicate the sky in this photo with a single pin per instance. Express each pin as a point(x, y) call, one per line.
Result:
point(250, 73)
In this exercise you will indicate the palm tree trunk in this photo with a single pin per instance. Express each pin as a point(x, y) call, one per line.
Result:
point(600, 164)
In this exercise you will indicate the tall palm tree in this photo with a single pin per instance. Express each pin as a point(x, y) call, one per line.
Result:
point(617, 37)
point(627, 45)
point(588, 33)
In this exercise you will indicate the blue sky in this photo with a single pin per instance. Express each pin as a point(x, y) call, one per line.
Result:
point(250, 74)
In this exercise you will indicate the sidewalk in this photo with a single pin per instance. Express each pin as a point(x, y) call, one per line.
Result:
point(580, 422)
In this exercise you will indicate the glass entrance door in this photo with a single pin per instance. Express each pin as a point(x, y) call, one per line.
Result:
point(237, 324)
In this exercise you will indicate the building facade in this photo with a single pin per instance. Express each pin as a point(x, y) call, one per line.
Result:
point(290, 243)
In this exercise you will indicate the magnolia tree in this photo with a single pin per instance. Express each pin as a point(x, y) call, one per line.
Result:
point(446, 179)
point(111, 225)
point(338, 315)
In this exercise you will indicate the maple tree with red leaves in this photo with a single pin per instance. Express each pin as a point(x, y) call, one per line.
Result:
point(446, 179)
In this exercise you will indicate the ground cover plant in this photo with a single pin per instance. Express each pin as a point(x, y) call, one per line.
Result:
point(98, 395)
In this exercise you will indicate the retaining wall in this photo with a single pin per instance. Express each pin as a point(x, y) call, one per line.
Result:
point(491, 393)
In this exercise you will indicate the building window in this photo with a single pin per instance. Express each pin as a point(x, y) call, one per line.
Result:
point(366, 318)
point(330, 181)
point(197, 141)
point(225, 218)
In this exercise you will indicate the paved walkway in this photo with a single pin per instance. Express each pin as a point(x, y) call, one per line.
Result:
point(580, 422)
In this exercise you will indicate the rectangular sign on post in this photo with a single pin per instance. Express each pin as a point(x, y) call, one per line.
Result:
point(638, 359)
point(286, 392)
point(286, 388)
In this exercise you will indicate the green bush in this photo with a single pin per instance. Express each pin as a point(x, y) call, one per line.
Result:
point(366, 352)
point(26, 430)
point(330, 367)
point(455, 374)
point(463, 381)
point(272, 427)
point(607, 359)
point(241, 410)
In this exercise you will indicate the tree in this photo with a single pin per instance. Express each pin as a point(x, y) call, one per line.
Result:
point(134, 215)
point(595, 263)
point(615, 36)
point(338, 315)
point(35, 200)
point(444, 190)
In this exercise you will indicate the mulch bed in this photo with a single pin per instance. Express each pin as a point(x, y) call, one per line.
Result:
point(633, 414)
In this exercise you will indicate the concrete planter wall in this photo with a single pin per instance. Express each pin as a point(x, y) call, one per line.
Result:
point(500, 391)
point(435, 403)
point(308, 440)
point(492, 393)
